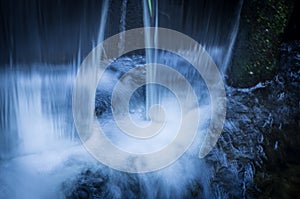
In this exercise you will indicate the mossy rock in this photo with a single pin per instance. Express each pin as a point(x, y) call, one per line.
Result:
point(255, 55)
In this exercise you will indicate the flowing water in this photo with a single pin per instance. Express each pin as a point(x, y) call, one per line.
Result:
point(41, 155)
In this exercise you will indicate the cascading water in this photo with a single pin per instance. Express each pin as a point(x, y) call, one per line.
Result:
point(34, 99)
point(37, 130)
point(152, 92)
point(36, 127)
point(188, 174)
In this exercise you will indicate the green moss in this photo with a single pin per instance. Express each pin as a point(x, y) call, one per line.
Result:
point(261, 28)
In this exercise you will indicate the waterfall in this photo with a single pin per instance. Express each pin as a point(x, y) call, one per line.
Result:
point(122, 26)
point(209, 30)
point(150, 18)
point(36, 108)
point(9, 130)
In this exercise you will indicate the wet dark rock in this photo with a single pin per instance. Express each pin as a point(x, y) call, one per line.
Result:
point(102, 103)
point(116, 71)
point(82, 193)
point(86, 185)
point(262, 132)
